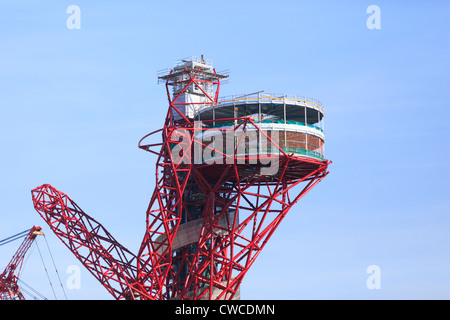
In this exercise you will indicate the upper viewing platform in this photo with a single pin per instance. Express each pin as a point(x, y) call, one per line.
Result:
point(299, 119)
point(195, 85)
point(266, 108)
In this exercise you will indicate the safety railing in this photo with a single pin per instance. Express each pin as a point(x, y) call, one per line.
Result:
point(270, 97)
point(220, 124)
point(305, 152)
point(298, 123)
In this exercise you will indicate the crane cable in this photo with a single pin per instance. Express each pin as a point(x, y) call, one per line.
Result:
point(45, 268)
point(14, 237)
point(56, 269)
point(32, 289)
point(22, 234)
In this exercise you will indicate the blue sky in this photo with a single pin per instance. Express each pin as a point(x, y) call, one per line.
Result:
point(75, 103)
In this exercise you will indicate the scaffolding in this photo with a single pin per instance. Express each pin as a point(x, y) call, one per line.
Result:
point(193, 82)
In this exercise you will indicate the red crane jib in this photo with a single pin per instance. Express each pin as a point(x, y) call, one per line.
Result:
point(9, 289)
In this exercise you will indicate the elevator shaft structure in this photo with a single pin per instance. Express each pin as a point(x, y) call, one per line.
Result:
point(227, 173)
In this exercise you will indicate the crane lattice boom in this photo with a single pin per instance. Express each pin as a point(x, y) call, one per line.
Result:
point(9, 289)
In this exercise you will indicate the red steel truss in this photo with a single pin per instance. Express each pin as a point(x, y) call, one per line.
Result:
point(9, 289)
point(206, 223)
point(107, 260)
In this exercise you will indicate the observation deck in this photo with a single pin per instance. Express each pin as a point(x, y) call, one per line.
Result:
point(263, 125)
point(299, 120)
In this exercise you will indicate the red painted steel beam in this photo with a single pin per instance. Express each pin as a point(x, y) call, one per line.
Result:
point(107, 260)
point(9, 289)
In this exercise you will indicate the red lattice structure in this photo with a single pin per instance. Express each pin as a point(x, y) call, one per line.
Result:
point(220, 192)
point(9, 288)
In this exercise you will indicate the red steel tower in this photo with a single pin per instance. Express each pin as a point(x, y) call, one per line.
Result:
point(227, 173)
